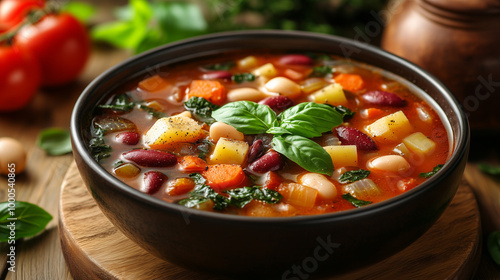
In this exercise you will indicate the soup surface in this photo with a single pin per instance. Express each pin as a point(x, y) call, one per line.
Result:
point(269, 135)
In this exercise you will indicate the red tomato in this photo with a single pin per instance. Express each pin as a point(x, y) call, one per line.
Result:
point(61, 44)
point(12, 12)
point(20, 77)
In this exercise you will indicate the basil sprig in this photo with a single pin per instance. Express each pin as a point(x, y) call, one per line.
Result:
point(291, 129)
point(23, 219)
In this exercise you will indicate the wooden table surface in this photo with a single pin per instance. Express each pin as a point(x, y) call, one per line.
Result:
point(41, 257)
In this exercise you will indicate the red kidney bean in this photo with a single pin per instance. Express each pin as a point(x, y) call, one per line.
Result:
point(255, 150)
point(151, 158)
point(295, 59)
point(352, 136)
point(383, 98)
point(214, 75)
point(270, 161)
point(128, 138)
point(278, 103)
point(153, 180)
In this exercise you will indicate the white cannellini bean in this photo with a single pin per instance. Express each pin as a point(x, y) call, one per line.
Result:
point(326, 189)
point(250, 94)
point(220, 129)
point(390, 163)
point(12, 156)
point(284, 87)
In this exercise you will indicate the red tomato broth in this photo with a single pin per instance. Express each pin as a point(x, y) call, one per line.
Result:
point(178, 78)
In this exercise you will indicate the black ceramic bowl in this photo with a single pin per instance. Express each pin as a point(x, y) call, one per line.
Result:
point(283, 247)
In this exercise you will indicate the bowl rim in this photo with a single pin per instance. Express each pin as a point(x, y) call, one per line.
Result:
point(460, 150)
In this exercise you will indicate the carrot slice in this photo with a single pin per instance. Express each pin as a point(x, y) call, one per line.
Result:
point(192, 164)
point(154, 83)
point(373, 113)
point(212, 91)
point(350, 82)
point(224, 176)
point(180, 186)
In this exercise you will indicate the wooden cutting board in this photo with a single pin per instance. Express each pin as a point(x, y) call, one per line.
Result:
point(95, 249)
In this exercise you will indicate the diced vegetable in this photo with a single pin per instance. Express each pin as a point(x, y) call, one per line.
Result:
point(283, 86)
point(331, 94)
point(402, 150)
point(192, 164)
point(267, 70)
point(179, 186)
point(390, 128)
point(298, 195)
point(229, 151)
point(344, 155)
point(247, 62)
point(423, 115)
point(362, 189)
point(114, 124)
point(312, 84)
point(272, 180)
point(212, 91)
point(350, 82)
point(127, 170)
point(167, 133)
point(326, 189)
point(420, 144)
point(224, 176)
point(152, 84)
point(371, 113)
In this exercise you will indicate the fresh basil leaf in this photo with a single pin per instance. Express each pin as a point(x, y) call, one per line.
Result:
point(242, 196)
point(321, 71)
point(82, 11)
point(179, 19)
point(354, 201)
point(278, 130)
point(305, 152)
point(493, 245)
point(121, 102)
point(243, 77)
point(431, 173)
point(353, 176)
point(25, 218)
point(201, 109)
point(55, 141)
point(489, 169)
point(247, 117)
point(345, 112)
point(220, 66)
point(153, 112)
point(309, 119)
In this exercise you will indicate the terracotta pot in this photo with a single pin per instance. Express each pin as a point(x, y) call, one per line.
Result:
point(459, 42)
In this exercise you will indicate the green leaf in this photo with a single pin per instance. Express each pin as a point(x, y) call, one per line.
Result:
point(321, 71)
point(202, 193)
point(31, 219)
point(309, 119)
point(153, 112)
point(81, 10)
point(179, 19)
point(354, 201)
point(305, 152)
point(431, 173)
point(353, 176)
point(121, 102)
point(242, 196)
point(247, 117)
point(243, 77)
point(55, 141)
point(201, 109)
point(489, 169)
point(344, 111)
point(493, 244)
point(219, 66)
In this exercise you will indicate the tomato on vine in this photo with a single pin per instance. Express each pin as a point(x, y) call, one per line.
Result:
point(13, 12)
point(20, 77)
point(62, 45)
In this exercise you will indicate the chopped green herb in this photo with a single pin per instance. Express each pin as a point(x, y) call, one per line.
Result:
point(29, 218)
point(153, 112)
point(353, 176)
point(321, 71)
point(354, 201)
point(431, 173)
point(345, 112)
point(55, 141)
point(204, 148)
point(243, 77)
point(121, 102)
point(489, 169)
point(242, 196)
point(98, 148)
point(201, 109)
point(220, 66)
point(493, 244)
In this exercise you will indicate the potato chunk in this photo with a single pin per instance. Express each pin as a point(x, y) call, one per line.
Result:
point(229, 151)
point(332, 94)
point(346, 155)
point(420, 144)
point(390, 128)
point(167, 132)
